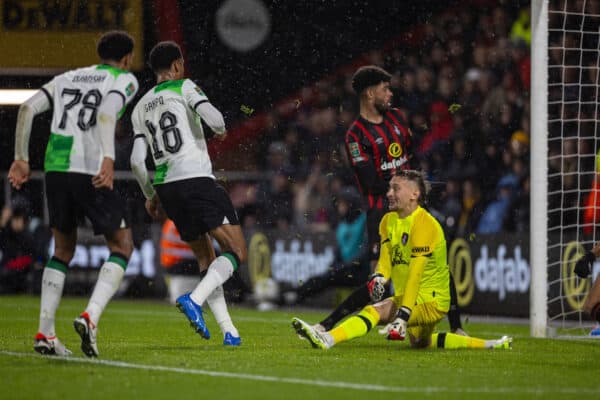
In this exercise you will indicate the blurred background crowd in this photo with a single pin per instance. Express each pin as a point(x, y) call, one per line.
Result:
point(461, 74)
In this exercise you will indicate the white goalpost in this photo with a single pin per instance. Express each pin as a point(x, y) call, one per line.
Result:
point(539, 167)
point(565, 112)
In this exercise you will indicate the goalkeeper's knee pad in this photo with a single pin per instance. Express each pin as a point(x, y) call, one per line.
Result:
point(595, 313)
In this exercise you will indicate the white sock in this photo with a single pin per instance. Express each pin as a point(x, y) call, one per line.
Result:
point(109, 279)
point(181, 284)
point(218, 272)
point(218, 306)
point(53, 282)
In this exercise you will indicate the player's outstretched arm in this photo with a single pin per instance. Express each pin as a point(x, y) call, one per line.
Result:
point(19, 170)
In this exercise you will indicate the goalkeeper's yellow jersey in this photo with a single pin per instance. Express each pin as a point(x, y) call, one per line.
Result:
point(413, 255)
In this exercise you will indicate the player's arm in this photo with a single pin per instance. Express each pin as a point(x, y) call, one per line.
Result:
point(383, 270)
point(106, 122)
point(137, 160)
point(363, 165)
point(112, 107)
point(198, 101)
point(41, 101)
point(139, 152)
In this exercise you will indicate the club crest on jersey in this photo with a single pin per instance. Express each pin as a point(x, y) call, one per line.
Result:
point(130, 89)
point(404, 238)
point(200, 92)
point(395, 150)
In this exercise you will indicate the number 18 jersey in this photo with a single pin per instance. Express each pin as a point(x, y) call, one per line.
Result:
point(165, 117)
point(76, 95)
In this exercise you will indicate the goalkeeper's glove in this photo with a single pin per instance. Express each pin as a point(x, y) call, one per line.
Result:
point(397, 329)
point(583, 267)
point(376, 286)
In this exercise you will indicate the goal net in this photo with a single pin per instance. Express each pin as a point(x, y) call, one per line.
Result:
point(569, 126)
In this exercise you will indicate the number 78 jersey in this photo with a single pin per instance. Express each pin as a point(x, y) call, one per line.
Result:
point(166, 119)
point(76, 95)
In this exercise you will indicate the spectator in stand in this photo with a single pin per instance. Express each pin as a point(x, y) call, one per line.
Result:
point(495, 215)
point(276, 202)
point(351, 265)
point(471, 210)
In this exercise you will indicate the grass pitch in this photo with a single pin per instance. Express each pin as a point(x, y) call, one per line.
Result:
point(148, 351)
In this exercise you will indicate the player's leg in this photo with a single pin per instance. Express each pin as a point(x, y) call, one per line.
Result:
point(107, 213)
point(234, 252)
point(111, 274)
point(360, 296)
point(454, 311)
point(62, 214)
point(355, 326)
point(53, 281)
point(216, 300)
point(337, 275)
point(447, 340)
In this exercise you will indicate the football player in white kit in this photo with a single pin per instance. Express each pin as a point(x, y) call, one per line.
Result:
point(79, 166)
point(167, 120)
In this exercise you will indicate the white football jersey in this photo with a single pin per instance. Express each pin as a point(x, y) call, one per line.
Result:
point(74, 144)
point(166, 119)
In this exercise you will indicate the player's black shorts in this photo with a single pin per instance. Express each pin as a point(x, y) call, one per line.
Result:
point(374, 216)
point(196, 206)
point(71, 196)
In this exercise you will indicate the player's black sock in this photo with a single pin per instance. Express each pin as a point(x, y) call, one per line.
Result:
point(357, 300)
point(454, 312)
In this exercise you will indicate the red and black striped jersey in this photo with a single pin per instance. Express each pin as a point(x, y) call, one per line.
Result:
point(376, 151)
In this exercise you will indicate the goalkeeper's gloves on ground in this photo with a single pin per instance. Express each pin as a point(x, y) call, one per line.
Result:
point(583, 267)
point(397, 329)
point(376, 286)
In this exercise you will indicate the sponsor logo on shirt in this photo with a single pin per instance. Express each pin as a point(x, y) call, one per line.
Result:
point(395, 163)
point(395, 150)
point(420, 249)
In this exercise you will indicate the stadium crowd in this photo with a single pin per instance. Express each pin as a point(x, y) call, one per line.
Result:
point(464, 87)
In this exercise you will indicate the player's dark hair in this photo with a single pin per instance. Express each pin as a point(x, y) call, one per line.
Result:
point(114, 45)
point(163, 55)
point(369, 75)
point(418, 178)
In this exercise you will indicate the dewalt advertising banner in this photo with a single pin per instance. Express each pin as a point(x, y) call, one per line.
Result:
point(47, 35)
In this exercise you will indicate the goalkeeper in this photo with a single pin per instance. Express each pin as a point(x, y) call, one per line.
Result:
point(583, 269)
point(413, 256)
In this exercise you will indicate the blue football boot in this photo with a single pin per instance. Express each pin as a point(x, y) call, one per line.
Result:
point(193, 312)
point(231, 340)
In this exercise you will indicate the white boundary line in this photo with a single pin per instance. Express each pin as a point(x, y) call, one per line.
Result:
point(308, 382)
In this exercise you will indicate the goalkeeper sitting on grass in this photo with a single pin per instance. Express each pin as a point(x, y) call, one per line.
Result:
point(413, 255)
point(583, 269)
